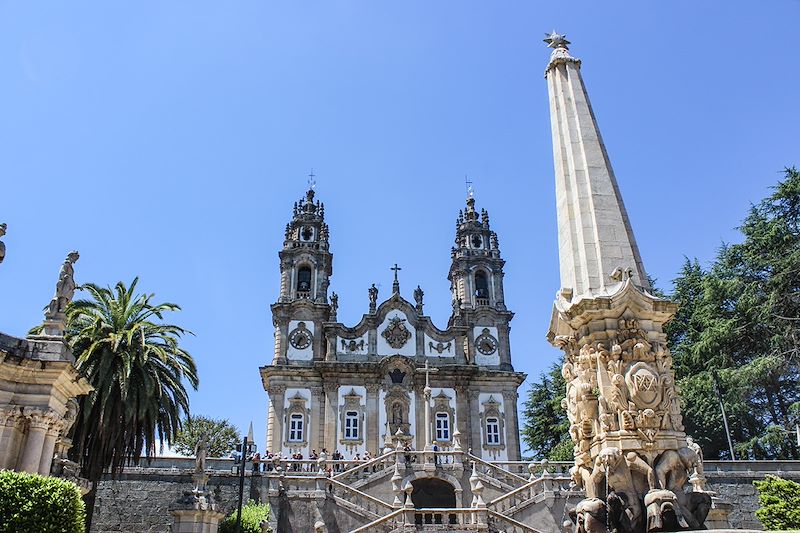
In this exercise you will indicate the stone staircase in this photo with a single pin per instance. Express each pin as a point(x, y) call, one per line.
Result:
point(375, 496)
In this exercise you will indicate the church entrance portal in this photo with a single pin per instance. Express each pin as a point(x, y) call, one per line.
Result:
point(433, 493)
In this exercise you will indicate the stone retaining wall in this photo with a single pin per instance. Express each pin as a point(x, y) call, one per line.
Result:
point(140, 499)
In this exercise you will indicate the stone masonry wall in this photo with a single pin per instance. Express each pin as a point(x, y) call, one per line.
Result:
point(139, 501)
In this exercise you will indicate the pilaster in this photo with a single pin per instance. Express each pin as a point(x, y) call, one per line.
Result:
point(373, 419)
point(277, 395)
point(331, 415)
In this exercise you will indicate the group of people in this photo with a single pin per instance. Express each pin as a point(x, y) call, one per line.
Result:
point(296, 462)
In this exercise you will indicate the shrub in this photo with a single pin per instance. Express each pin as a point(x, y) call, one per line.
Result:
point(780, 503)
point(252, 516)
point(30, 503)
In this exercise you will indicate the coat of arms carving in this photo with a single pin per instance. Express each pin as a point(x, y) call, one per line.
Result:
point(396, 333)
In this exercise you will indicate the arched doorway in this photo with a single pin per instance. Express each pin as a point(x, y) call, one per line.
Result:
point(433, 493)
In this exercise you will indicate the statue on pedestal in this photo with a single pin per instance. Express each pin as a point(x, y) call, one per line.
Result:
point(65, 287)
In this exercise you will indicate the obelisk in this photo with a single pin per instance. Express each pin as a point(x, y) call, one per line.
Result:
point(631, 453)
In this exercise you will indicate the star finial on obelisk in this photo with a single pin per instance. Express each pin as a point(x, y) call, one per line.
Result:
point(556, 40)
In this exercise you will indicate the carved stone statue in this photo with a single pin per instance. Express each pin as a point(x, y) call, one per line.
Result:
point(200, 453)
point(65, 287)
point(3, 227)
point(373, 297)
point(418, 294)
point(589, 516)
point(334, 305)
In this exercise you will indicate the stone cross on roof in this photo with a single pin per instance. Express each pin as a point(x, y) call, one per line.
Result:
point(396, 284)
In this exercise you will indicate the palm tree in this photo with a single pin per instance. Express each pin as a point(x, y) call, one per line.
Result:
point(134, 362)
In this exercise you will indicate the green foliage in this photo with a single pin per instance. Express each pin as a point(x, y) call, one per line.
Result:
point(252, 516)
point(133, 361)
point(545, 428)
point(30, 503)
point(222, 436)
point(740, 319)
point(780, 503)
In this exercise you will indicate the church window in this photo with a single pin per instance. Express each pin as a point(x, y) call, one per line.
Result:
point(307, 233)
point(481, 286)
point(351, 425)
point(476, 241)
point(492, 431)
point(296, 428)
point(304, 279)
point(442, 426)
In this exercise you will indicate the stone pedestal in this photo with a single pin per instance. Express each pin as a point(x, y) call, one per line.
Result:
point(196, 511)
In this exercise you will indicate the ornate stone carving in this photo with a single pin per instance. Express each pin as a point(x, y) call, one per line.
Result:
point(300, 337)
point(440, 347)
point(485, 343)
point(352, 346)
point(396, 333)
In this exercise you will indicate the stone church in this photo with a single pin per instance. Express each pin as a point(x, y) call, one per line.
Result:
point(355, 388)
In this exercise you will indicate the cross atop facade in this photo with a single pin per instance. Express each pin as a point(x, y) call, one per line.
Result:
point(396, 269)
point(468, 185)
point(311, 182)
point(396, 284)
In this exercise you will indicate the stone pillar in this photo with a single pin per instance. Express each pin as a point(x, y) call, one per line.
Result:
point(373, 419)
point(276, 396)
point(38, 424)
point(331, 415)
point(50, 438)
point(512, 425)
point(9, 436)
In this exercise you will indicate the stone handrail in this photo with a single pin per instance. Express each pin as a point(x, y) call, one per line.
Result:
point(518, 526)
point(499, 474)
point(360, 499)
point(526, 493)
point(382, 521)
point(363, 466)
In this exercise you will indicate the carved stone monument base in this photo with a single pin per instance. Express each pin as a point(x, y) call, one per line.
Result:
point(196, 511)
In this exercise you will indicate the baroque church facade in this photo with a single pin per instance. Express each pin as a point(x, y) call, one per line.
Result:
point(358, 388)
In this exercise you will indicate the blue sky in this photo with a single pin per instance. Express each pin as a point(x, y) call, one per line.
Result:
point(169, 140)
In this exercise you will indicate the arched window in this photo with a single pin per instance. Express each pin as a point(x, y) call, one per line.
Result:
point(296, 428)
point(492, 431)
point(442, 426)
point(304, 279)
point(481, 286)
point(351, 425)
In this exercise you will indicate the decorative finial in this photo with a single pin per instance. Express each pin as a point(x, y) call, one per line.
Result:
point(312, 184)
point(556, 40)
point(470, 189)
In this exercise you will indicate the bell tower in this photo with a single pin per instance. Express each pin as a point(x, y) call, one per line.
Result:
point(306, 265)
point(476, 273)
point(306, 262)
